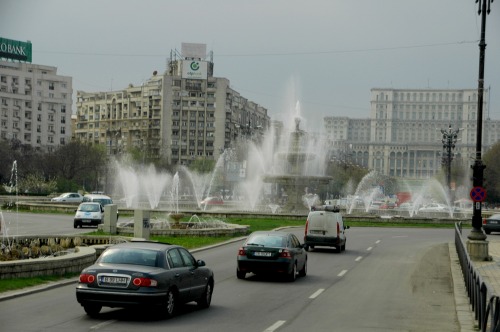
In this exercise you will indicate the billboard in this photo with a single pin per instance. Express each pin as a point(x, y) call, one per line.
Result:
point(15, 50)
point(194, 69)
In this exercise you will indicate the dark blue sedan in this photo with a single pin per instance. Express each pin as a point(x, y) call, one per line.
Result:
point(272, 253)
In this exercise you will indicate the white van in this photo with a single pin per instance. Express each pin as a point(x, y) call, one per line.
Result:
point(325, 227)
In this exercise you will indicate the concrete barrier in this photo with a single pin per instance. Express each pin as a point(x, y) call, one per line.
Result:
point(72, 262)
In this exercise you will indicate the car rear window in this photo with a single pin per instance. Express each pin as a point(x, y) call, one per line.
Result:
point(130, 256)
point(89, 208)
point(267, 241)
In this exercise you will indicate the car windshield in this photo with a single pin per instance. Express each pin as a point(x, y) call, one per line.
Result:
point(267, 241)
point(130, 256)
point(103, 201)
point(89, 208)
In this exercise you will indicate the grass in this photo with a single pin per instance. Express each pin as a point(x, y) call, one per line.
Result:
point(19, 283)
point(198, 242)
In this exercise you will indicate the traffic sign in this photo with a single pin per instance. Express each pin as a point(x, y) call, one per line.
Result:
point(478, 194)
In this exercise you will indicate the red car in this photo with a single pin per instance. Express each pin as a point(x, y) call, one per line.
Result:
point(212, 201)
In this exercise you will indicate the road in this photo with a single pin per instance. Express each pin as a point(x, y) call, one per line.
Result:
point(390, 279)
point(21, 223)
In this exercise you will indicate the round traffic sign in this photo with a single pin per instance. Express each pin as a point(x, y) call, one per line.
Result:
point(478, 194)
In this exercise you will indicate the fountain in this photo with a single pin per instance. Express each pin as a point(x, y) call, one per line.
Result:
point(284, 171)
point(293, 182)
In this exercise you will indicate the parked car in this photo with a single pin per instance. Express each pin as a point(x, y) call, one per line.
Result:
point(491, 224)
point(434, 207)
point(100, 198)
point(212, 201)
point(145, 274)
point(388, 206)
point(68, 197)
point(272, 252)
point(325, 227)
point(89, 214)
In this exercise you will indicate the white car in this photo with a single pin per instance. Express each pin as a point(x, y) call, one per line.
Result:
point(89, 214)
point(434, 207)
point(68, 197)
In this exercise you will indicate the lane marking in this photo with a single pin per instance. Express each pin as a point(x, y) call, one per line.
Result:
point(316, 293)
point(342, 273)
point(377, 242)
point(358, 259)
point(275, 326)
point(103, 324)
point(369, 248)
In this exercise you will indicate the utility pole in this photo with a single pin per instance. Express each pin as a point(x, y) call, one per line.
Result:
point(478, 247)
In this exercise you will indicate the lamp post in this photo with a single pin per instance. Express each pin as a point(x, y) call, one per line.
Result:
point(476, 236)
point(449, 140)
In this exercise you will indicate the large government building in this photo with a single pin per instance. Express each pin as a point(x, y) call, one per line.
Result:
point(403, 135)
point(179, 115)
point(35, 101)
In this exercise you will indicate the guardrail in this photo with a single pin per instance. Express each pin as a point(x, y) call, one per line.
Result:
point(485, 303)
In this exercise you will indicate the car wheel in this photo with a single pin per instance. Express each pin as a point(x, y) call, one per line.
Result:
point(487, 232)
point(293, 274)
point(303, 272)
point(338, 249)
point(92, 309)
point(240, 274)
point(75, 224)
point(206, 298)
point(171, 304)
point(306, 247)
point(343, 246)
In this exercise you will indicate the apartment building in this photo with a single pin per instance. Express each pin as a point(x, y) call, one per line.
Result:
point(403, 135)
point(35, 104)
point(180, 115)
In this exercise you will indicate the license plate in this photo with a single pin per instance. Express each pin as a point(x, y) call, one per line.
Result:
point(316, 232)
point(262, 254)
point(493, 222)
point(114, 280)
point(86, 220)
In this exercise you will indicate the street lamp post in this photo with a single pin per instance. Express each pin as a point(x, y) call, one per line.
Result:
point(449, 140)
point(476, 236)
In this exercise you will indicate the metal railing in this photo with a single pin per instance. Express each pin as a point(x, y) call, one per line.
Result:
point(485, 303)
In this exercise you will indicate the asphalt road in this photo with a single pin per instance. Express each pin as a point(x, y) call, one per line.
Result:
point(387, 280)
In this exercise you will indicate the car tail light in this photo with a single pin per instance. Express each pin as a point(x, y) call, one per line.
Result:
point(307, 226)
point(338, 229)
point(145, 282)
point(285, 253)
point(484, 221)
point(87, 278)
point(242, 252)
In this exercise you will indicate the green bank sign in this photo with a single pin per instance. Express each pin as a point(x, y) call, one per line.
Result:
point(15, 50)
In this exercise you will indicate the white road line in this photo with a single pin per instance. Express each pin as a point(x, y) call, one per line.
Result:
point(316, 293)
point(358, 259)
point(377, 242)
point(369, 248)
point(275, 326)
point(103, 324)
point(342, 273)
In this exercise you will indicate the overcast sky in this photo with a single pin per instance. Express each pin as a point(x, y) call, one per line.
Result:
point(326, 54)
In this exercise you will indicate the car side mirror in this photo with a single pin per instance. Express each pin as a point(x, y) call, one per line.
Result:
point(347, 227)
point(200, 263)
